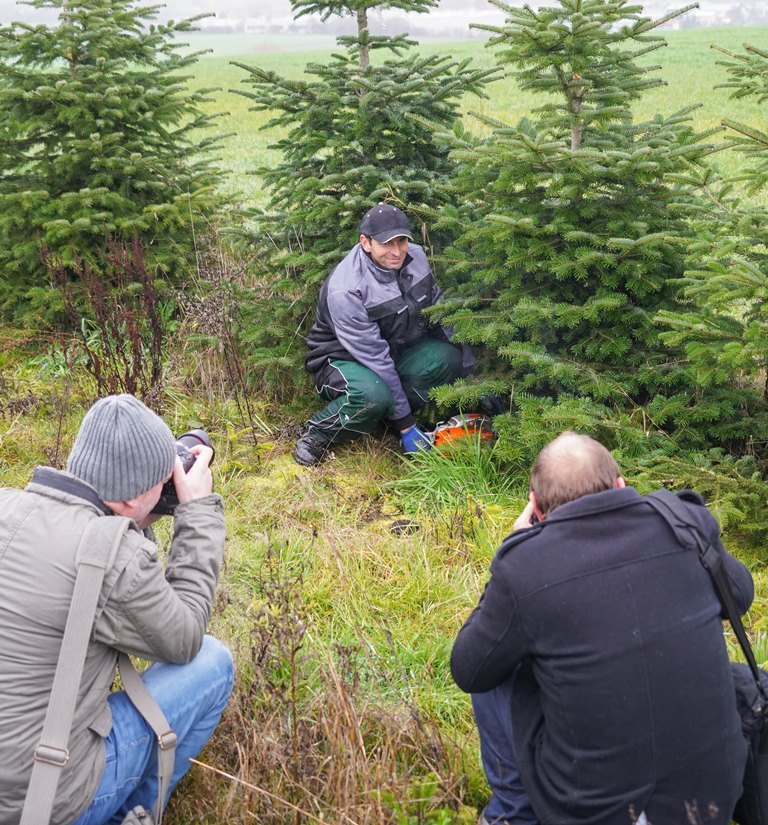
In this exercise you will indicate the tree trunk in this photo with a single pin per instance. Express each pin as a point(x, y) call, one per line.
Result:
point(362, 26)
point(577, 135)
point(577, 130)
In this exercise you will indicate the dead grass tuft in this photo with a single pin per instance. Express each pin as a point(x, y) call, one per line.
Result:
point(304, 741)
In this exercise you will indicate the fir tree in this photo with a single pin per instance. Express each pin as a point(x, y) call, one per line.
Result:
point(572, 231)
point(358, 131)
point(725, 333)
point(98, 139)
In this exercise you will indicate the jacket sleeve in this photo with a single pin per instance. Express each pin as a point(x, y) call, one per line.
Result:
point(492, 641)
point(739, 577)
point(161, 614)
point(742, 585)
point(362, 339)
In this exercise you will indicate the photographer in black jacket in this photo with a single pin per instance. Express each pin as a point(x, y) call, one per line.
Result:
point(596, 660)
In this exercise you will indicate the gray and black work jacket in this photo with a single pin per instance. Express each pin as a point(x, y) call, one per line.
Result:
point(145, 609)
point(371, 315)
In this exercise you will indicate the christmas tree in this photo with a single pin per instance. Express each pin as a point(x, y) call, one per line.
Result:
point(98, 140)
point(725, 332)
point(573, 229)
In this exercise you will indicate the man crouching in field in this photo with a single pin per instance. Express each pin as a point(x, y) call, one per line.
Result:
point(596, 661)
point(122, 456)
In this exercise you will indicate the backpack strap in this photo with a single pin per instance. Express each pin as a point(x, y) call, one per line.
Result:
point(52, 754)
point(674, 512)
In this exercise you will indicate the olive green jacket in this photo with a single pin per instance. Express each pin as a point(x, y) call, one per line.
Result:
point(145, 609)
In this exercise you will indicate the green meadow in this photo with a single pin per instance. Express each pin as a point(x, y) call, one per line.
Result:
point(689, 66)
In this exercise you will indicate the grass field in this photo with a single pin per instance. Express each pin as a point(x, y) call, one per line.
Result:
point(689, 68)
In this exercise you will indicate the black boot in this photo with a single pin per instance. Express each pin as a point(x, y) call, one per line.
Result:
point(310, 449)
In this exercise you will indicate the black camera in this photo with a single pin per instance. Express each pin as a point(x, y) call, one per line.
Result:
point(169, 500)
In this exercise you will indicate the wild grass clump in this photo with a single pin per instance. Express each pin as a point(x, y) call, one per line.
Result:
point(211, 363)
point(122, 316)
point(307, 739)
point(344, 709)
point(465, 471)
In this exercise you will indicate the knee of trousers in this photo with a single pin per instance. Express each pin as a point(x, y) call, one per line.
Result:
point(215, 663)
point(452, 360)
point(373, 397)
point(445, 363)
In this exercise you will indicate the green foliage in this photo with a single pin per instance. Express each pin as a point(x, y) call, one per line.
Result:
point(724, 333)
point(416, 809)
point(464, 473)
point(573, 231)
point(97, 138)
point(649, 458)
point(349, 141)
point(327, 8)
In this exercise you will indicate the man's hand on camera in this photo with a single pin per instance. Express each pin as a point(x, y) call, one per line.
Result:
point(527, 518)
point(198, 482)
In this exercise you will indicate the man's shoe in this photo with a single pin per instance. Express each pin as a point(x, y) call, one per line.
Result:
point(310, 450)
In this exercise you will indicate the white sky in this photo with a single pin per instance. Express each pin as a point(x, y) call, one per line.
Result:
point(177, 9)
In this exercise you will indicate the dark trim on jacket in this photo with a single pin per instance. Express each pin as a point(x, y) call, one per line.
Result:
point(66, 483)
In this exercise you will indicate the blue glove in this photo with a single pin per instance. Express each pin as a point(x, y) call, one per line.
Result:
point(415, 439)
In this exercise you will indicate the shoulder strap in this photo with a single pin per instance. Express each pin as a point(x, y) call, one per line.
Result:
point(51, 754)
point(166, 738)
point(673, 511)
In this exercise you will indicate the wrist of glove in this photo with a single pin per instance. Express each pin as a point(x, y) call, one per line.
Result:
point(414, 439)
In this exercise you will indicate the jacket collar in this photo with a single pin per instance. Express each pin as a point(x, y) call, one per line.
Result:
point(596, 503)
point(585, 506)
point(69, 484)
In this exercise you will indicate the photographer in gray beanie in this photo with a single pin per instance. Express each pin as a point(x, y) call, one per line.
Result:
point(123, 455)
point(141, 445)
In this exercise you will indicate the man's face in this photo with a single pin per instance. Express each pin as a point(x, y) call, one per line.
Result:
point(145, 504)
point(140, 508)
point(390, 255)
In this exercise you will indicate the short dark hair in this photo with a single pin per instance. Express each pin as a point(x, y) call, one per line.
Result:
point(569, 467)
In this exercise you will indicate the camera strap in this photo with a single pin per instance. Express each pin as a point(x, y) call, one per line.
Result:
point(673, 511)
point(95, 555)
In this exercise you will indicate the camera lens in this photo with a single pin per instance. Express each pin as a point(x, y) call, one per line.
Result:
point(169, 500)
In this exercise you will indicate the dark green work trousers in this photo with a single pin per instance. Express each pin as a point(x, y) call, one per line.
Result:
point(359, 399)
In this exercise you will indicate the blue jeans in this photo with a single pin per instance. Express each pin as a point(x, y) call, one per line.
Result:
point(509, 803)
point(192, 697)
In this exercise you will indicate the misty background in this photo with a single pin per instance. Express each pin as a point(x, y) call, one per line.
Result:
point(450, 19)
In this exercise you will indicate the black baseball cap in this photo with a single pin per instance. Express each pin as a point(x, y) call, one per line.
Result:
point(384, 222)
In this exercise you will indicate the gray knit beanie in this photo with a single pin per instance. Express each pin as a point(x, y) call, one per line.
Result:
point(122, 448)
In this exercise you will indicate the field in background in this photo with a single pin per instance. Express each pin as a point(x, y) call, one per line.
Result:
point(689, 66)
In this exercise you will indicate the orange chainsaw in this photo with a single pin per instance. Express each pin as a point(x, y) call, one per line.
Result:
point(460, 426)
